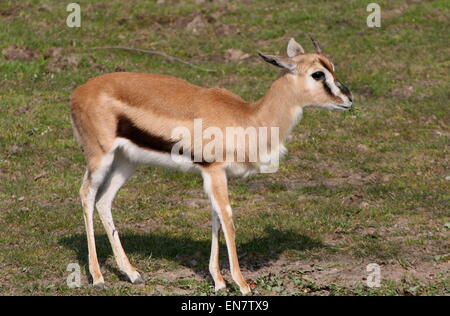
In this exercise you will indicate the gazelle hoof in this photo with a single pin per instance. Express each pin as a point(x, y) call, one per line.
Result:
point(134, 277)
point(100, 285)
point(245, 290)
point(138, 280)
point(219, 287)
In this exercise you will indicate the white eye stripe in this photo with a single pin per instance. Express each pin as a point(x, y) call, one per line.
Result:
point(329, 79)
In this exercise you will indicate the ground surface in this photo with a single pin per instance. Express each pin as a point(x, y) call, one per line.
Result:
point(366, 186)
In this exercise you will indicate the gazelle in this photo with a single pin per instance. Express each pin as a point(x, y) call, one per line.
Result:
point(123, 120)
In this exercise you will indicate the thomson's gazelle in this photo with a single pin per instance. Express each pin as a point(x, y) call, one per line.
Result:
point(123, 120)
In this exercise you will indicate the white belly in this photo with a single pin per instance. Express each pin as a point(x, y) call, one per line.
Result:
point(141, 156)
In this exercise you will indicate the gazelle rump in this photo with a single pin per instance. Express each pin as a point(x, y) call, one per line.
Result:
point(123, 120)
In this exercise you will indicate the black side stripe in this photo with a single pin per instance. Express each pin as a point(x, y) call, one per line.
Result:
point(127, 129)
point(327, 88)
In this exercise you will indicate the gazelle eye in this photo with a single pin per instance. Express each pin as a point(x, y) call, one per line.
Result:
point(318, 75)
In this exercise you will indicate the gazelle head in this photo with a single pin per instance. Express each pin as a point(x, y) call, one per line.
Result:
point(311, 78)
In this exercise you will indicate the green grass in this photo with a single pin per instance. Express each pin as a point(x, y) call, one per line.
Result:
point(359, 187)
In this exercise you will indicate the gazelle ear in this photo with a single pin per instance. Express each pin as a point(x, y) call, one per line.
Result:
point(278, 61)
point(294, 48)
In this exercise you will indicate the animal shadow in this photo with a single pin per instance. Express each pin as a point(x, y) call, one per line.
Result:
point(194, 254)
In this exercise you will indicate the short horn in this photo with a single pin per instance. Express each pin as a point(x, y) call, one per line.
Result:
point(316, 45)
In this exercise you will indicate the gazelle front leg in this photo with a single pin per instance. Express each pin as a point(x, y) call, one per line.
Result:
point(215, 183)
point(214, 264)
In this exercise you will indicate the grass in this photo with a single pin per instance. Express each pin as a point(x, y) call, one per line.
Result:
point(366, 186)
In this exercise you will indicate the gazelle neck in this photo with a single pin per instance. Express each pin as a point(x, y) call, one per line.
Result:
point(280, 107)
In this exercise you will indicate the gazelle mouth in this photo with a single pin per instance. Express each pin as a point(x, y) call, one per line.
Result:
point(345, 107)
point(340, 107)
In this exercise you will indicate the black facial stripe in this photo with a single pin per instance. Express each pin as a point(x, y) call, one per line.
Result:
point(327, 88)
point(126, 129)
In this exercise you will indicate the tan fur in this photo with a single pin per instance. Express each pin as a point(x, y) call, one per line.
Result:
point(157, 104)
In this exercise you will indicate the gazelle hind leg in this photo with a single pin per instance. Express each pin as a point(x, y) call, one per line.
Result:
point(91, 182)
point(121, 171)
point(215, 182)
